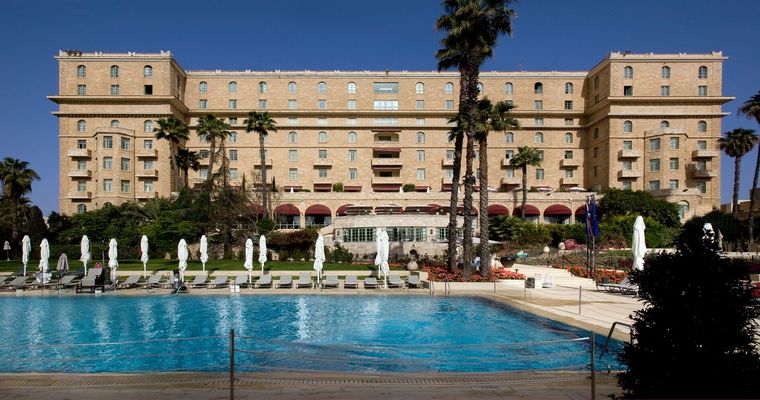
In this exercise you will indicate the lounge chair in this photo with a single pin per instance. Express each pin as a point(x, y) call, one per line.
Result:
point(240, 280)
point(219, 281)
point(624, 287)
point(63, 282)
point(370, 282)
point(414, 280)
point(285, 281)
point(17, 283)
point(88, 282)
point(200, 280)
point(264, 281)
point(130, 282)
point(154, 281)
point(330, 281)
point(351, 282)
point(304, 280)
point(395, 281)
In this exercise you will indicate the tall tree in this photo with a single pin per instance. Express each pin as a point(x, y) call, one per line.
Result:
point(215, 131)
point(736, 144)
point(187, 160)
point(751, 109)
point(16, 178)
point(262, 123)
point(176, 133)
point(472, 28)
point(525, 157)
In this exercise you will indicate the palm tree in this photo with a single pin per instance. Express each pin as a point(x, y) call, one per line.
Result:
point(262, 123)
point(751, 109)
point(472, 28)
point(17, 178)
point(186, 160)
point(215, 131)
point(175, 132)
point(526, 156)
point(736, 144)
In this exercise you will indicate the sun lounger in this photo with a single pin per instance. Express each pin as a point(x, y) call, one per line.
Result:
point(130, 282)
point(414, 280)
point(17, 283)
point(264, 281)
point(304, 280)
point(63, 282)
point(200, 280)
point(285, 281)
point(370, 282)
point(154, 281)
point(395, 281)
point(624, 287)
point(88, 283)
point(351, 282)
point(330, 281)
point(240, 280)
point(219, 281)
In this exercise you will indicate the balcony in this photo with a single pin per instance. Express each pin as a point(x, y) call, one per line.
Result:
point(146, 153)
point(146, 195)
point(80, 173)
point(569, 163)
point(511, 180)
point(505, 162)
point(703, 173)
point(79, 195)
point(446, 180)
point(704, 153)
point(447, 162)
point(629, 174)
point(576, 181)
point(257, 163)
point(629, 154)
point(323, 162)
point(79, 153)
point(323, 181)
point(147, 173)
point(387, 180)
point(386, 162)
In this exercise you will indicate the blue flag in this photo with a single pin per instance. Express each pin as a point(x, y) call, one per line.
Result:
point(592, 220)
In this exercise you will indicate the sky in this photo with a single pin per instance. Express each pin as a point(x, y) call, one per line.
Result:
point(548, 35)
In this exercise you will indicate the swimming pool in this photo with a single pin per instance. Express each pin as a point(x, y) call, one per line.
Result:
point(374, 333)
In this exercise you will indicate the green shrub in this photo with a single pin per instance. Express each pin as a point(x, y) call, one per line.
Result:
point(409, 187)
point(337, 187)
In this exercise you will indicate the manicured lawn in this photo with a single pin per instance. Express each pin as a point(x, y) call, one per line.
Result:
point(213, 265)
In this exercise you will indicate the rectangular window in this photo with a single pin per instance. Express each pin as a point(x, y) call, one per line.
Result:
point(147, 165)
point(351, 121)
point(654, 165)
point(675, 144)
point(352, 155)
point(322, 154)
point(539, 174)
point(654, 144)
point(627, 90)
point(81, 144)
point(568, 173)
point(125, 186)
point(627, 165)
point(81, 186)
point(700, 165)
point(321, 121)
point(539, 121)
point(420, 174)
point(352, 104)
point(292, 155)
point(202, 103)
point(82, 90)
point(108, 185)
point(81, 165)
point(262, 104)
point(203, 154)
point(538, 104)
point(385, 87)
point(203, 173)
point(701, 144)
point(233, 120)
point(568, 104)
point(148, 186)
point(568, 122)
point(233, 104)
point(148, 144)
point(627, 145)
point(449, 104)
point(702, 186)
point(664, 90)
point(654, 185)
point(126, 143)
point(508, 154)
point(420, 104)
point(420, 155)
point(702, 90)
point(673, 184)
point(627, 185)
point(107, 162)
point(125, 164)
point(114, 90)
point(568, 155)
point(148, 90)
point(233, 174)
point(449, 154)
point(322, 104)
point(107, 142)
point(510, 173)
point(292, 121)
point(419, 121)
point(293, 174)
point(540, 155)
point(352, 174)
point(322, 172)
point(233, 155)
point(385, 104)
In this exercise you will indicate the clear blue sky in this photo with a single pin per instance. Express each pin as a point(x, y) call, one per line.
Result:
point(346, 34)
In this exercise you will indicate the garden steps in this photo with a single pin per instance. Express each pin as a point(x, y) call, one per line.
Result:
point(560, 276)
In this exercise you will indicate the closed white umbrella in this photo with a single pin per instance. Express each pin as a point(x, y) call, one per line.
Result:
point(44, 255)
point(381, 259)
point(84, 248)
point(262, 252)
point(113, 255)
point(638, 243)
point(26, 249)
point(248, 264)
point(204, 251)
point(319, 256)
point(144, 249)
point(386, 251)
point(182, 255)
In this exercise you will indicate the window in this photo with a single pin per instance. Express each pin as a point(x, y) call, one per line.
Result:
point(322, 154)
point(420, 174)
point(292, 88)
point(420, 155)
point(107, 142)
point(596, 133)
point(568, 154)
point(352, 137)
point(628, 72)
point(352, 155)
point(420, 137)
point(627, 185)
point(81, 208)
point(147, 71)
point(568, 104)
point(701, 126)
point(202, 103)
point(148, 90)
point(292, 155)
point(322, 172)
point(114, 90)
point(81, 165)
point(538, 88)
point(419, 121)
point(233, 137)
point(114, 71)
point(114, 123)
point(125, 186)
point(480, 88)
point(508, 88)
point(292, 121)
point(509, 173)
point(540, 155)
point(352, 104)
point(568, 88)
point(703, 72)
point(292, 136)
point(539, 121)
point(292, 104)
point(675, 143)
point(627, 165)
point(322, 137)
point(568, 138)
point(596, 82)
point(81, 126)
point(568, 173)
point(509, 137)
point(385, 87)
point(81, 144)
point(654, 144)
point(627, 126)
point(203, 87)
point(148, 126)
point(233, 174)
point(81, 71)
point(654, 165)
point(664, 124)
point(385, 104)
point(321, 87)
point(700, 165)
point(262, 104)
point(665, 72)
point(126, 143)
point(654, 185)
point(702, 90)
point(125, 164)
point(596, 98)
point(232, 87)
point(568, 122)
point(673, 164)
point(233, 155)
point(202, 139)
point(449, 104)
point(448, 88)
point(627, 90)
point(108, 185)
point(321, 121)
point(262, 87)
point(419, 88)
point(232, 104)
point(449, 154)
point(203, 173)
point(538, 104)
point(627, 145)
point(420, 104)
point(701, 144)
point(539, 174)
point(148, 186)
point(81, 90)
point(538, 137)
point(293, 174)
point(351, 88)
point(147, 165)
point(702, 186)
point(664, 90)
point(352, 174)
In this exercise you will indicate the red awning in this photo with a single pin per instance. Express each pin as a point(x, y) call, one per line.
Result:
point(386, 187)
point(352, 188)
point(497, 209)
point(460, 210)
point(342, 209)
point(580, 211)
point(557, 209)
point(317, 209)
point(529, 210)
point(287, 209)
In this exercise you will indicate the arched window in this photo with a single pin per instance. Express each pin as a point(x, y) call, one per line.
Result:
point(232, 87)
point(664, 124)
point(568, 138)
point(81, 125)
point(628, 72)
point(683, 209)
point(233, 137)
point(419, 88)
point(701, 126)
point(292, 88)
point(480, 87)
point(323, 137)
point(262, 87)
point(508, 88)
point(81, 209)
point(292, 137)
point(703, 72)
point(538, 88)
point(448, 88)
point(352, 137)
point(627, 126)
point(147, 71)
point(321, 87)
point(148, 126)
point(539, 137)
point(509, 137)
point(81, 71)
point(665, 72)
point(569, 88)
point(420, 137)
point(115, 123)
point(114, 71)
point(596, 133)
point(351, 87)
point(203, 87)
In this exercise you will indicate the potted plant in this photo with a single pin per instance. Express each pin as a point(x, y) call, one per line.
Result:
point(508, 261)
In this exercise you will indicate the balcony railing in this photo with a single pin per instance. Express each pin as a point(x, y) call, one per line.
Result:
point(447, 162)
point(80, 173)
point(386, 180)
point(570, 181)
point(630, 174)
point(569, 162)
point(80, 153)
point(80, 195)
point(703, 173)
point(146, 153)
point(146, 195)
point(386, 162)
point(704, 153)
point(629, 153)
point(325, 162)
point(147, 173)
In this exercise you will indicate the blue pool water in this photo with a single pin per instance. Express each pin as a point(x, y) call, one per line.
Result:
point(322, 333)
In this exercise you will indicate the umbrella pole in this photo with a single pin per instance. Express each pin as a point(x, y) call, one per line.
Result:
point(145, 270)
point(250, 279)
point(204, 267)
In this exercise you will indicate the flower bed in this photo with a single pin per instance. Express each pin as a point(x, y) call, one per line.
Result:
point(442, 274)
point(600, 275)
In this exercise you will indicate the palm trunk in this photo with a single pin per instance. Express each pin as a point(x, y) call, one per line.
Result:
point(224, 168)
point(737, 170)
point(264, 185)
point(469, 181)
point(211, 160)
point(457, 170)
point(187, 180)
point(485, 250)
point(524, 190)
point(173, 165)
point(752, 202)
